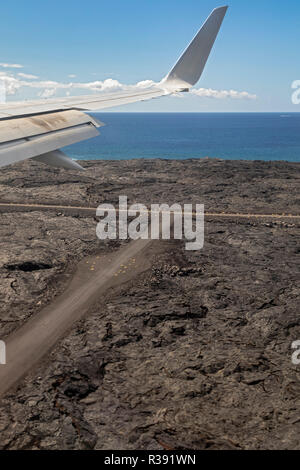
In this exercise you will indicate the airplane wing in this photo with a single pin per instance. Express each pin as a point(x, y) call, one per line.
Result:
point(38, 129)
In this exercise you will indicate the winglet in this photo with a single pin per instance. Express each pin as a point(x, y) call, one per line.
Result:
point(190, 66)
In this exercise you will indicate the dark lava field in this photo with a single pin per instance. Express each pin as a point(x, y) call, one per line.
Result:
point(195, 353)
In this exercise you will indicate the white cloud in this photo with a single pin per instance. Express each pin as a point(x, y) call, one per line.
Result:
point(106, 85)
point(46, 88)
point(11, 66)
point(27, 76)
point(223, 94)
point(72, 75)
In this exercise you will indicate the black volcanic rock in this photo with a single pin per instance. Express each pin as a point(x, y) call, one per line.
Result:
point(196, 352)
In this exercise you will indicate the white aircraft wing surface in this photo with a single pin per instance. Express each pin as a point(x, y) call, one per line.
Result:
point(39, 128)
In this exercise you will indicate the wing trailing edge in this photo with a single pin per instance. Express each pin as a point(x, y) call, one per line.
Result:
point(35, 136)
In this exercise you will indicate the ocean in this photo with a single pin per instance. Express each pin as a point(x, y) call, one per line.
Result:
point(230, 136)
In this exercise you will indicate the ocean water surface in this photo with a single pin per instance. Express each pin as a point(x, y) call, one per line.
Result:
point(230, 136)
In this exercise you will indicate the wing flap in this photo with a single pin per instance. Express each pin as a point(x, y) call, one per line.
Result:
point(21, 149)
point(19, 128)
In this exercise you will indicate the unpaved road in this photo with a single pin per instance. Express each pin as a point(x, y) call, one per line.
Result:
point(33, 207)
point(93, 277)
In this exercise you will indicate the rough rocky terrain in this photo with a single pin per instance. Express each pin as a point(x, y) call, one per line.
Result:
point(194, 354)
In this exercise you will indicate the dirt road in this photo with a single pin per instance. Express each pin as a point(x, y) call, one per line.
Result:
point(93, 277)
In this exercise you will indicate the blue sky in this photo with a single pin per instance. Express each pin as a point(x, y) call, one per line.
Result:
point(130, 41)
